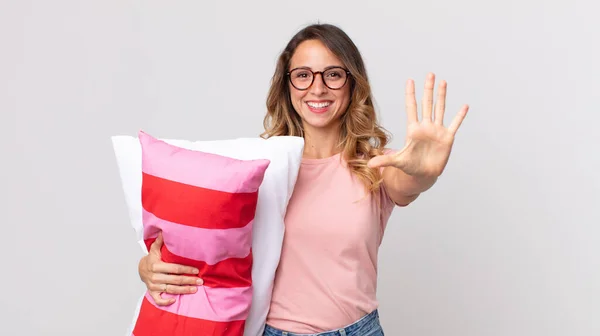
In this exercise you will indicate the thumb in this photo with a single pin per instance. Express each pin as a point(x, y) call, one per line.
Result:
point(381, 161)
point(157, 244)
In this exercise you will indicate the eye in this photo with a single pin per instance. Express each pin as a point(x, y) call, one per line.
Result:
point(336, 73)
point(301, 74)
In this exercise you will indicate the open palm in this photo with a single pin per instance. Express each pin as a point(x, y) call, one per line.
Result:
point(428, 141)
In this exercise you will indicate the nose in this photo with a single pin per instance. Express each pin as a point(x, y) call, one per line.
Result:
point(318, 86)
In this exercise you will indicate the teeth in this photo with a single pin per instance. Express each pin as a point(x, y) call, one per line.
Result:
point(318, 105)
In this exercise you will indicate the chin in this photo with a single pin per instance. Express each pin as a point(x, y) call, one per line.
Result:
point(323, 122)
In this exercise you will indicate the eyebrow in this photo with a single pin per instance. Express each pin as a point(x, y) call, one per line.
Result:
point(326, 68)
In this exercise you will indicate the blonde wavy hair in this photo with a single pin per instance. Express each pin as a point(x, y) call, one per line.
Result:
point(361, 136)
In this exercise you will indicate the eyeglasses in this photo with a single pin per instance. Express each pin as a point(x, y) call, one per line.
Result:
point(334, 78)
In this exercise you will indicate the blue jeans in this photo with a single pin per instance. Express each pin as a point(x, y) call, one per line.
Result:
point(367, 326)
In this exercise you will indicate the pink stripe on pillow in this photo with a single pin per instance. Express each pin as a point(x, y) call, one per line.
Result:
point(214, 304)
point(208, 245)
point(200, 169)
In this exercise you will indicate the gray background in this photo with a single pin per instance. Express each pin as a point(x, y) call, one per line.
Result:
point(507, 243)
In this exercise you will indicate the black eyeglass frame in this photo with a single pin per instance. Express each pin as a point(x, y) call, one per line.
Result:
point(314, 75)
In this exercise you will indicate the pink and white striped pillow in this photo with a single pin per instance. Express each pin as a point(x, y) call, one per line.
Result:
point(205, 205)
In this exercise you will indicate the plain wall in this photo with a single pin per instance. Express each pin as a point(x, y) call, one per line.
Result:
point(506, 243)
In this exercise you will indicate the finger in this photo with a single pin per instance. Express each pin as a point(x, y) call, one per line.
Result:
point(428, 97)
point(458, 119)
point(172, 289)
point(159, 300)
point(381, 161)
point(181, 290)
point(162, 267)
point(160, 278)
point(157, 244)
point(411, 102)
point(440, 105)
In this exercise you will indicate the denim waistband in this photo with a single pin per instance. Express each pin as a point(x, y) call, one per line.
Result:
point(365, 324)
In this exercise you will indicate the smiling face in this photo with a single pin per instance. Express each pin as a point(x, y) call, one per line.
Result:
point(319, 107)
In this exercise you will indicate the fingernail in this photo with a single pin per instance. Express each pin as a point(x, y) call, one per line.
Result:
point(196, 271)
point(200, 282)
point(193, 289)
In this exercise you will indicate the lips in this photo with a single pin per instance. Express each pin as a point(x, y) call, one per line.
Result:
point(318, 106)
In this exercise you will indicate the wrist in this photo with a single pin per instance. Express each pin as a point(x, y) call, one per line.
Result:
point(414, 184)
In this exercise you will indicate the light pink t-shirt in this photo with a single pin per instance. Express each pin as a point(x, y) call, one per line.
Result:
point(327, 275)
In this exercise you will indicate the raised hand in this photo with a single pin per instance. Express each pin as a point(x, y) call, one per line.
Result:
point(428, 141)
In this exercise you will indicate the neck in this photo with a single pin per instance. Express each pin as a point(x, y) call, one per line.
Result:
point(321, 143)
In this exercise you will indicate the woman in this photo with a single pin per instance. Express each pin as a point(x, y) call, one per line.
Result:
point(347, 186)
